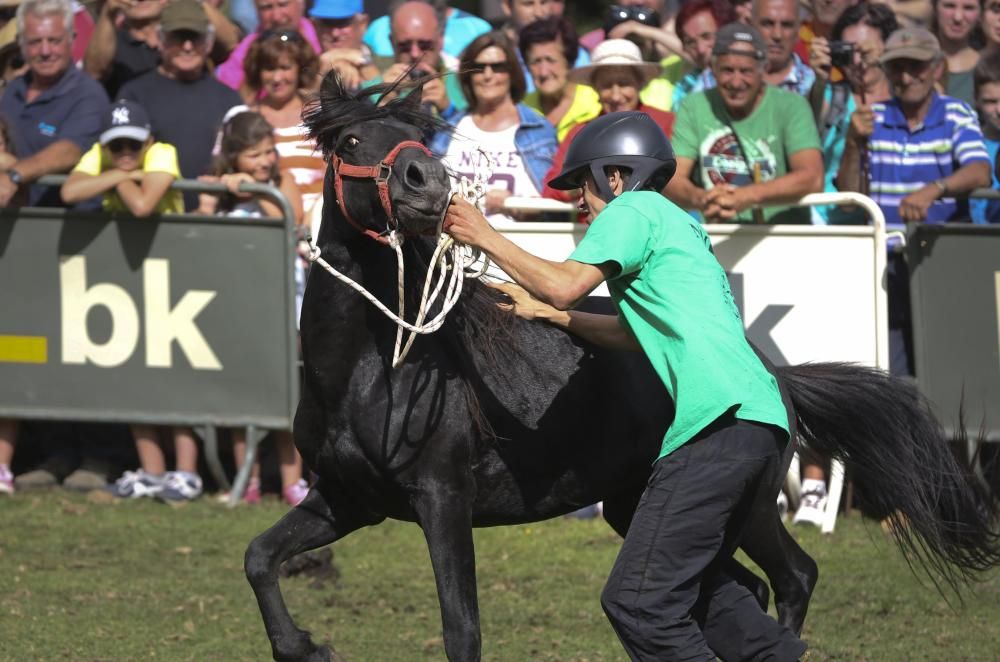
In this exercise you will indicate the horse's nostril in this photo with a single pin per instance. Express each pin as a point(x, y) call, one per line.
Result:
point(415, 176)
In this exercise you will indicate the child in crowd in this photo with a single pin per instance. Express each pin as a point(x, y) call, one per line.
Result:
point(986, 80)
point(131, 171)
point(247, 154)
point(133, 174)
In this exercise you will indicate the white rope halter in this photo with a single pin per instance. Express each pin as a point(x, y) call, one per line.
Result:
point(452, 261)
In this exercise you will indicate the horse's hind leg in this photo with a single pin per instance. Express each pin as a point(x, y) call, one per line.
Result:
point(311, 524)
point(791, 572)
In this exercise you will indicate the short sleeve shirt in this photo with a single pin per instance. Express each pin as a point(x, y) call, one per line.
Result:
point(160, 157)
point(781, 125)
point(673, 295)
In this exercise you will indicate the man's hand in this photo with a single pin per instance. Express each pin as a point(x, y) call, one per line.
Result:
point(7, 189)
point(466, 224)
point(524, 305)
point(724, 203)
point(913, 208)
point(7, 161)
point(862, 124)
point(819, 58)
point(436, 94)
point(346, 62)
point(396, 71)
point(114, 7)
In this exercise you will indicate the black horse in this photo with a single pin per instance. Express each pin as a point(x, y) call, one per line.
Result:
point(493, 420)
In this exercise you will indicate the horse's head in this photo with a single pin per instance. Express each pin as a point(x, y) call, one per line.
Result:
point(382, 176)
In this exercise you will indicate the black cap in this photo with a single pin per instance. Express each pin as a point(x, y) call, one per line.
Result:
point(739, 33)
point(125, 119)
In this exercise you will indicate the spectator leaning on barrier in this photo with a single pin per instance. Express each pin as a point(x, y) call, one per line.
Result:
point(131, 171)
point(54, 110)
point(778, 22)
point(274, 15)
point(987, 88)
point(914, 123)
point(460, 28)
point(547, 47)
point(923, 148)
point(340, 25)
point(745, 144)
point(184, 101)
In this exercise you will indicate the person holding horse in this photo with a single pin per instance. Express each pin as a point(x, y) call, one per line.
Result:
point(671, 594)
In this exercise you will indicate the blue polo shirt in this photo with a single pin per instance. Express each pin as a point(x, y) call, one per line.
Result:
point(905, 160)
point(73, 109)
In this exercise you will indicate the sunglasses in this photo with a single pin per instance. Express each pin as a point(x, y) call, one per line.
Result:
point(421, 44)
point(122, 144)
point(497, 67)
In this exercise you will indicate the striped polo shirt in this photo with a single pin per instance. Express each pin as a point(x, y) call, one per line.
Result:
point(904, 160)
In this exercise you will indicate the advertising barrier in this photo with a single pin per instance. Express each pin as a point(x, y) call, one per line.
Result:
point(955, 306)
point(172, 319)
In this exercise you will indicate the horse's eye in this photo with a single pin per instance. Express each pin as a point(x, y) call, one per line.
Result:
point(352, 141)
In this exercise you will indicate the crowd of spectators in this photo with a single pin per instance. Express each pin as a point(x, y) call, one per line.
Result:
point(764, 100)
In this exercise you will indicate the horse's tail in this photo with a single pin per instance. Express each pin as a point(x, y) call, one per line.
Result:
point(897, 454)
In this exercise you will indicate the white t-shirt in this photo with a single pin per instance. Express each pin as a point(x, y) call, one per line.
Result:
point(501, 160)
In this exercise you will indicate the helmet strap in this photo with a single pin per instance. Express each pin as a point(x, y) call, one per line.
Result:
point(604, 191)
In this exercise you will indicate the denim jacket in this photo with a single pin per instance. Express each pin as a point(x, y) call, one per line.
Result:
point(535, 140)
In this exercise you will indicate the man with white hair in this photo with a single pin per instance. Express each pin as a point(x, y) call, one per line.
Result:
point(779, 23)
point(54, 110)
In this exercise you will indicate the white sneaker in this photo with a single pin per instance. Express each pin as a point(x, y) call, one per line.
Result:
point(811, 509)
point(180, 486)
point(136, 484)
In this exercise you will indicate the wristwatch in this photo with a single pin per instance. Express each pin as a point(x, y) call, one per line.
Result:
point(940, 183)
point(15, 177)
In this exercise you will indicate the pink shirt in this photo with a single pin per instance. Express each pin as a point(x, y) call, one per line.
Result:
point(231, 73)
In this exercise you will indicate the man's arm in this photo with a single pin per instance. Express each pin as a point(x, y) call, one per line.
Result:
point(82, 186)
point(227, 34)
point(860, 129)
point(104, 41)
point(681, 190)
point(559, 284)
point(913, 208)
point(59, 157)
point(603, 330)
point(142, 197)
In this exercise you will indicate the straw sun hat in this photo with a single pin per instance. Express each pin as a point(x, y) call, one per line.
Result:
point(615, 53)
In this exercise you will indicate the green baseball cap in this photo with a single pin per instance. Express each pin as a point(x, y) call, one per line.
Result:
point(184, 15)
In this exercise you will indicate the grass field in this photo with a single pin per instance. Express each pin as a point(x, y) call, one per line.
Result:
point(85, 579)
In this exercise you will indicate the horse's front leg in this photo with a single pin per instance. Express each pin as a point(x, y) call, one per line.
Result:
point(445, 515)
point(319, 520)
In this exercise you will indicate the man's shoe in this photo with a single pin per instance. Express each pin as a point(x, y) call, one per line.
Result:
point(180, 486)
point(85, 480)
point(811, 509)
point(136, 484)
point(36, 480)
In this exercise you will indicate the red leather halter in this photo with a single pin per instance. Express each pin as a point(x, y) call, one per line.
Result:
point(380, 172)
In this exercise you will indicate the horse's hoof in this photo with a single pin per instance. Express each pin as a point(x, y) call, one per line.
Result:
point(324, 654)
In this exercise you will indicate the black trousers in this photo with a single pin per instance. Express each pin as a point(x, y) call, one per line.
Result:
point(668, 596)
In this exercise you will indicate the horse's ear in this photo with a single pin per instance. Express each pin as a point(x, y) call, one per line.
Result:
point(411, 102)
point(332, 88)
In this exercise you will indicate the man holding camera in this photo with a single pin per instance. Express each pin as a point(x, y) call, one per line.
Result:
point(417, 38)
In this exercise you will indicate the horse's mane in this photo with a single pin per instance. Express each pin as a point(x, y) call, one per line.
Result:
point(335, 108)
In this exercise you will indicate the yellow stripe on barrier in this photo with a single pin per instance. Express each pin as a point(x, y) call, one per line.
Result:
point(24, 349)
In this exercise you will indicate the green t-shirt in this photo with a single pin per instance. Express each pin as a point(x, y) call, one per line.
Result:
point(673, 295)
point(780, 126)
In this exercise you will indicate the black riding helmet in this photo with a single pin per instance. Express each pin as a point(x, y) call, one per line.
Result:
point(627, 139)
